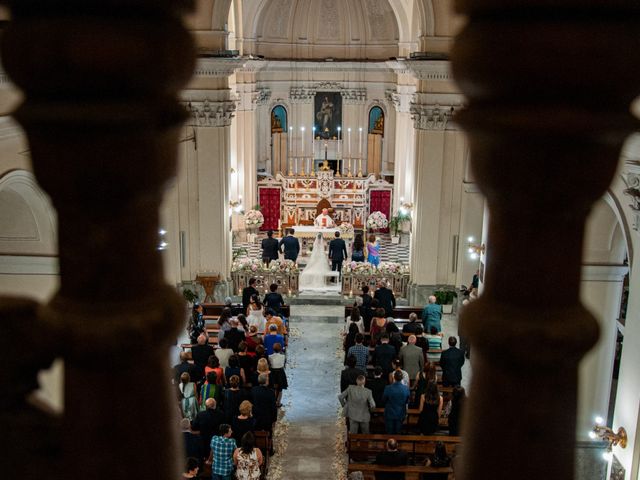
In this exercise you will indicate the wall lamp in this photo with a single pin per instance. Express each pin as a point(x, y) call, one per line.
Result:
point(474, 249)
point(236, 205)
point(602, 432)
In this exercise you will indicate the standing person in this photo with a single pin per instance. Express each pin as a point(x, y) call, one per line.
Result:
point(360, 352)
point(358, 403)
point(357, 250)
point(411, 357)
point(395, 398)
point(451, 362)
point(430, 410)
point(264, 404)
point(234, 335)
point(458, 398)
point(244, 421)
point(378, 326)
point(432, 315)
point(248, 458)
point(377, 385)
point(270, 248)
point(248, 292)
point(393, 458)
point(200, 354)
point(207, 423)
point(384, 354)
point(386, 298)
point(196, 325)
point(354, 318)
point(435, 343)
point(188, 400)
point(277, 374)
point(366, 310)
point(272, 338)
point(373, 250)
point(255, 313)
point(290, 246)
point(272, 319)
point(273, 299)
point(221, 456)
point(337, 252)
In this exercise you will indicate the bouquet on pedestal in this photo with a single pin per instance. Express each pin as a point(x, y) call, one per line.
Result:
point(345, 228)
point(253, 219)
point(377, 221)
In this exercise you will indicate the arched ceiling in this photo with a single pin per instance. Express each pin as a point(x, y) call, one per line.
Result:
point(305, 29)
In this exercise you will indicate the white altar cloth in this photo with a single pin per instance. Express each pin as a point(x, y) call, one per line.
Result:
point(307, 231)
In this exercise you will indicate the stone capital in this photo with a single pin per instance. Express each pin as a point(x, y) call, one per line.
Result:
point(401, 97)
point(211, 114)
point(306, 94)
point(439, 70)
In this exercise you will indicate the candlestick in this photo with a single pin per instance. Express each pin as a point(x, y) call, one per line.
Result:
point(339, 149)
point(313, 143)
point(360, 168)
point(291, 140)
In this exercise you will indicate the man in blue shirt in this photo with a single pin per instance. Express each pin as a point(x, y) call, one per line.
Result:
point(395, 398)
point(431, 315)
point(221, 456)
point(274, 337)
point(360, 352)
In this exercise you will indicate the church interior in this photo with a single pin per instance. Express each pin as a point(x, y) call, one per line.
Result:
point(472, 150)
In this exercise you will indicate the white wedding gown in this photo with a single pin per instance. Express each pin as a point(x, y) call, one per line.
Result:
point(314, 275)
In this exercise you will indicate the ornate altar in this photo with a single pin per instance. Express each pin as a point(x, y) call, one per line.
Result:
point(298, 197)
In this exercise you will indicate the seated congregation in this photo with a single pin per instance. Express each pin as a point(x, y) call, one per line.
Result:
point(229, 383)
point(401, 392)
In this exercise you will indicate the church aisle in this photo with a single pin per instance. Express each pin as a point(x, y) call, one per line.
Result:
point(310, 404)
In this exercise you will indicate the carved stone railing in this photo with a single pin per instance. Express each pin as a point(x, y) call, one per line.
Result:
point(352, 283)
point(287, 283)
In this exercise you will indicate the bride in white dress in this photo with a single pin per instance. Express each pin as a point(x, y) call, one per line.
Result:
point(314, 275)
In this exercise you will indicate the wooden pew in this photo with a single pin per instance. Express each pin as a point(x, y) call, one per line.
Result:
point(363, 448)
point(411, 420)
point(401, 312)
point(215, 309)
point(411, 472)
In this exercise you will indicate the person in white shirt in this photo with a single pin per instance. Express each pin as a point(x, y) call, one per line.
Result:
point(354, 318)
point(277, 377)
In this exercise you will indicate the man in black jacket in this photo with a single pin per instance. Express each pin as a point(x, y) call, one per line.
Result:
point(290, 245)
point(270, 248)
point(391, 457)
point(246, 294)
point(337, 252)
point(207, 423)
point(264, 404)
point(384, 354)
point(273, 299)
point(376, 385)
point(385, 298)
point(451, 361)
point(366, 308)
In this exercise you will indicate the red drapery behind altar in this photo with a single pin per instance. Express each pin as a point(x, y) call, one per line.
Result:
point(270, 208)
point(380, 201)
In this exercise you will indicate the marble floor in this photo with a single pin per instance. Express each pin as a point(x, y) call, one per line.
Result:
point(309, 424)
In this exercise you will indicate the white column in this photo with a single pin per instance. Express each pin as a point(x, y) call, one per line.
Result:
point(601, 291)
point(404, 165)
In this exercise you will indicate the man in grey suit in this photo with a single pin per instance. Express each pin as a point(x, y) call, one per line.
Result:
point(358, 403)
point(412, 358)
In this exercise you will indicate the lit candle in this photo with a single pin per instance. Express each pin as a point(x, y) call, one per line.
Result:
point(291, 140)
point(349, 141)
point(302, 141)
point(360, 144)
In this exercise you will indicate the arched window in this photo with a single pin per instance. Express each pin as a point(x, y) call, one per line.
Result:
point(278, 119)
point(376, 121)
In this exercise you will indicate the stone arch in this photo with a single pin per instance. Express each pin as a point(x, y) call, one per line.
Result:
point(27, 218)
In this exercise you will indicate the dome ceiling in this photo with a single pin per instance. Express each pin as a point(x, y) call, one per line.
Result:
point(306, 29)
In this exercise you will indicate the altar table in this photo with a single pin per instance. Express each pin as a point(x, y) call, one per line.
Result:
point(306, 231)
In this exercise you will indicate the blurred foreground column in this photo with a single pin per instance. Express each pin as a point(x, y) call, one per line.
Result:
point(549, 85)
point(101, 115)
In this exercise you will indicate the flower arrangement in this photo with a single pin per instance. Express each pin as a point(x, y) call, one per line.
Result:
point(253, 219)
point(393, 268)
point(254, 265)
point(377, 221)
point(345, 228)
point(358, 268)
point(283, 266)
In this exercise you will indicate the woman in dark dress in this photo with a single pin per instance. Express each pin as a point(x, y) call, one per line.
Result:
point(234, 369)
point(350, 339)
point(244, 421)
point(233, 397)
point(430, 410)
point(458, 398)
point(378, 325)
point(357, 250)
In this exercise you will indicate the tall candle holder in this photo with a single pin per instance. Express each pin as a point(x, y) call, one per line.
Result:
point(313, 168)
point(291, 168)
point(360, 167)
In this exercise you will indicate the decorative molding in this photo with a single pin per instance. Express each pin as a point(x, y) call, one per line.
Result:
point(263, 96)
point(631, 177)
point(29, 265)
point(431, 117)
point(434, 70)
point(211, 114)
point(218, 67)
point(401, 100)
point(307, 94)
point(249, 100)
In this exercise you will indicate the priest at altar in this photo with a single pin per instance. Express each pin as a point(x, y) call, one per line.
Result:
point(324, 220)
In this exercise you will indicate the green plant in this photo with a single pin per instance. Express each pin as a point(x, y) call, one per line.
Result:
point(189, 295)
point(394, 225)
point(445, 296)
point(238, 252)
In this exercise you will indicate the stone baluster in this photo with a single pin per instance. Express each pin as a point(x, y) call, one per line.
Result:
point(102, 118)
point(549, 86)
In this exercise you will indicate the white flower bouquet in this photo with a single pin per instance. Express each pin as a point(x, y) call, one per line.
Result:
point(358, 268)
point(345, 228)
point(253, 219)
point(393, 268)
point(283, 266)
point(377, 221)
point(246, 265)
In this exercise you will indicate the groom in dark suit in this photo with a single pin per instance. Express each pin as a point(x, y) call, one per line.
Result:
point(270, 248)
point(337, 252)
point(290, 245)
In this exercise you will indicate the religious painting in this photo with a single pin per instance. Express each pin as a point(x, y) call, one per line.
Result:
point(328, 114)
point(278, 119)
point(376, 121)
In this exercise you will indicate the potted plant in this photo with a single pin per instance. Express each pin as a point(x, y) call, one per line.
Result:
point(190, 296)
point(404, 220)
point(444, 296)
point(394, 226)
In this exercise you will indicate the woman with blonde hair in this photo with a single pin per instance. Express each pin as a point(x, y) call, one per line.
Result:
point(263, 367)
point(244, 421)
